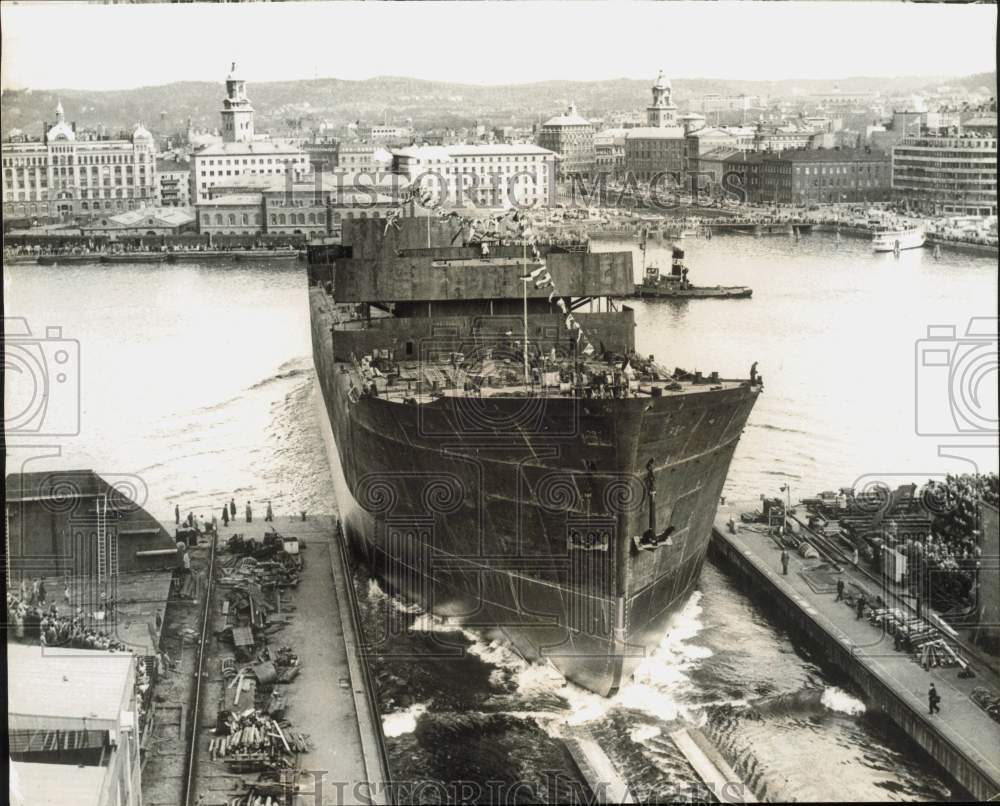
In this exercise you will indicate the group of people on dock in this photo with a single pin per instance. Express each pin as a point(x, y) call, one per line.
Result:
point(200, 525)
point(31, 617)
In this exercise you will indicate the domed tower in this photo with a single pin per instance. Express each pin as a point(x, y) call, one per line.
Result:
point(61, 130)
point(662, 112)
point(237, 113)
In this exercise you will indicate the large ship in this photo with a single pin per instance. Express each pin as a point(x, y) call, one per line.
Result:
point(501, 467)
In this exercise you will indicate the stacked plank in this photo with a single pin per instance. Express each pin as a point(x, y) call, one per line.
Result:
point(254, 740)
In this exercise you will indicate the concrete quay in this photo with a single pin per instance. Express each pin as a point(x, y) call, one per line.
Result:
point(962, 738)
point(331, 701)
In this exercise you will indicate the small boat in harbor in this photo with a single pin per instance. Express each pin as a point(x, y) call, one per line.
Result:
point(677, 286)
point(895, 239)
point(69, 259)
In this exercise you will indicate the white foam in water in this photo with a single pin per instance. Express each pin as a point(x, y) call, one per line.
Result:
point(643, 733)
point(400, 722)
point(839, 700)
point(661, 679)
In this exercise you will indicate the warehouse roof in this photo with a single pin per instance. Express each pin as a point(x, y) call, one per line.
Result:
point(56, 783)
point(83, 690)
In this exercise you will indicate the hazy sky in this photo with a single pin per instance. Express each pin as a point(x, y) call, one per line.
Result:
point(72, 45)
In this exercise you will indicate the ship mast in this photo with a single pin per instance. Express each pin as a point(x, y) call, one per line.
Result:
point(525, 277)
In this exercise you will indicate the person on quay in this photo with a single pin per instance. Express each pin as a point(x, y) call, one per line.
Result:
point(840, 591)
point(269, 515)
point(232, 509)
point(861, 607)
point(225, 515)
point(177, 515)
point(249, 513)
point(933, 700)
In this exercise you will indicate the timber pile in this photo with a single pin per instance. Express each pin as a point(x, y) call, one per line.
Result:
point(281, 573)
point(253, 740)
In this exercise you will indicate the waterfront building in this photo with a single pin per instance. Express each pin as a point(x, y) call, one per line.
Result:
point(484, 175)
point(174, 183)
point(659, 146)
point(952, 173)
point(64, 178)
point(571, 137)
point(701, 141)
point(145, 222)
point(74, 720)
point(241, 150)
point(609, 152)
point(271, 205)
point(813, 176)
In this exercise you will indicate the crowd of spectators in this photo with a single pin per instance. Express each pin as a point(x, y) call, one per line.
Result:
point(31, 617)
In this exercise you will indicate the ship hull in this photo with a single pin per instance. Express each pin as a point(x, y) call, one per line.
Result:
point(695, 292)
point(522, 516)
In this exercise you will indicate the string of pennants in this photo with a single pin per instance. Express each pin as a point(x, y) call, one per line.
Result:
point(492, 228)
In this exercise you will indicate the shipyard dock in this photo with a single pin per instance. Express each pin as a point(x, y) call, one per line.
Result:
point(962, 738)
point(331, 701)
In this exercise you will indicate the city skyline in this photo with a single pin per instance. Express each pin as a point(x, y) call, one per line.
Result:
point(294, 42)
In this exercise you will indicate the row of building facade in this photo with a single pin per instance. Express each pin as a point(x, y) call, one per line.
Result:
point(63, 177)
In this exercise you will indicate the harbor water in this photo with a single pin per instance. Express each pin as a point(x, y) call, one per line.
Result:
point(196, 385)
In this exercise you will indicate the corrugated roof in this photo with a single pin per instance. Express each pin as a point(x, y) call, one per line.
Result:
point(56, 783)
point(81, 691)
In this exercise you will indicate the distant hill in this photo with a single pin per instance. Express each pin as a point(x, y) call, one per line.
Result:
point(282, 104)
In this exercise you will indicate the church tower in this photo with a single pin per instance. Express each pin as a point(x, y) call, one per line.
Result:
point(662, 112)
point(237, 113)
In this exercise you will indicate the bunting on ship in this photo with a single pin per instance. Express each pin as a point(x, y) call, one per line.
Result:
point(487, 229)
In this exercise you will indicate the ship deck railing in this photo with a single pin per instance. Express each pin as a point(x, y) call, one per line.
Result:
point(426, 382)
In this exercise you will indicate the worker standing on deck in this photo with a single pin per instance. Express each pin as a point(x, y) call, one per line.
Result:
point(861, 607)
point(249, 513)
point(784, 562)
point(933, 700)
point(840, 591)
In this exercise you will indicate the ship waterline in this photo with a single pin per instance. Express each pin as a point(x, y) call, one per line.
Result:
point(573, 525)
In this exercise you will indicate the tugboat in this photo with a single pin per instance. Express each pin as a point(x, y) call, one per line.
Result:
point(677, 286)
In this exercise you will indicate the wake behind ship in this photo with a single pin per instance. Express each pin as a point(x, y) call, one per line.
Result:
point(496, 464)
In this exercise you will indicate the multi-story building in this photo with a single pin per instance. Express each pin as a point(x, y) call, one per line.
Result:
point(275, 206)
point(65, 178)
point(241, 151)
point(808, 176)
point(609, 152)
point(481, 175)
point(954, 173)
point(174, 188)
point(657, 148)
point(572, 138)
point(704, 140)
point(384, 132)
